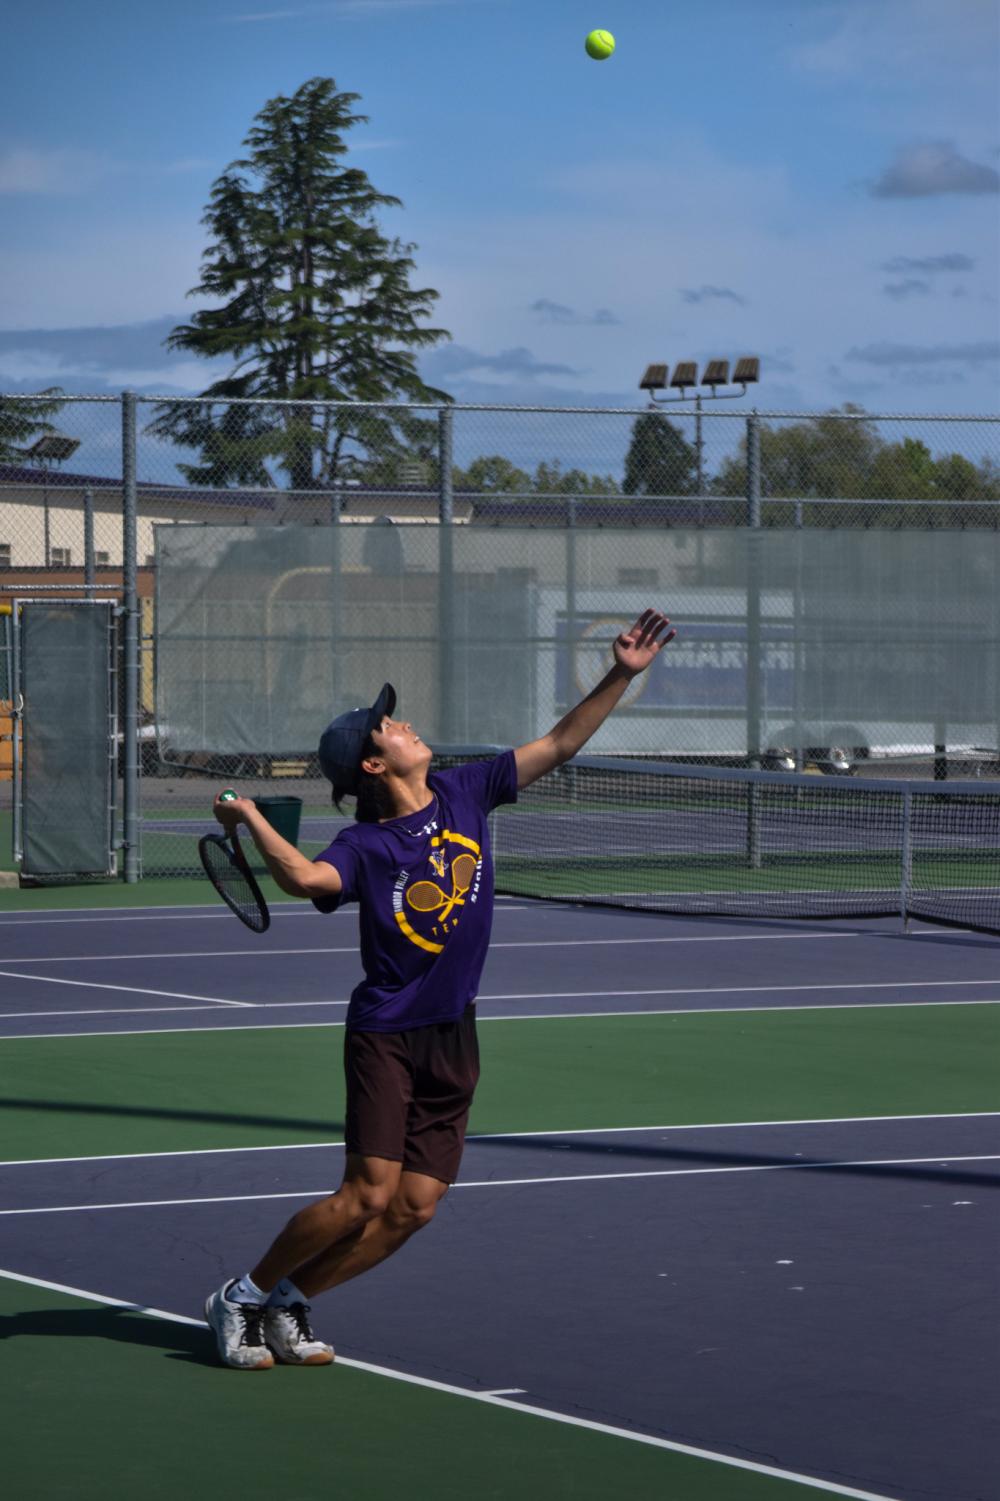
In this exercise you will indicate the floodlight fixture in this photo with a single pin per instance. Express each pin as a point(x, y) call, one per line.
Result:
point(655, 378)
point(685, 378)
point(716, 373)
point(747, 372)
point(54, 448)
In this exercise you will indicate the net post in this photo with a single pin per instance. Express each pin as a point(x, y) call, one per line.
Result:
point(906, 860)
point(130, 663)
point(446, 576)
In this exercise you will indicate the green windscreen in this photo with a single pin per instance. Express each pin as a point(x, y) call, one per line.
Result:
point(65, 678)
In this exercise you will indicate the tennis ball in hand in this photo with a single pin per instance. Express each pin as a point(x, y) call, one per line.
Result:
point(599, 45)
point(227, 795)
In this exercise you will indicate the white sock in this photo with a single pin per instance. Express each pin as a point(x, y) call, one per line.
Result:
point(284, 1294)
point(245, 1290)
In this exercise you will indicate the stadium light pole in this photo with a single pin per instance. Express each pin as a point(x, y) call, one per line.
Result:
point(685, 379)
point(716, 374)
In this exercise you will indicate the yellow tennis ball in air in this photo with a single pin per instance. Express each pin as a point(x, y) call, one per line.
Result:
point(599, 45)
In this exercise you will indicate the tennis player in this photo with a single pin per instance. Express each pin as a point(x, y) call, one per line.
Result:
point(417, 861)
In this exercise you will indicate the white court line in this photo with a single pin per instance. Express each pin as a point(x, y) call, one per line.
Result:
point(566, 995)
point(313, 1146)
point(527, 1016)
point(156, 1010)
point(176, 995)
point(492, 1399)
point(302, 908)
point(665, 1172)
point(528, 943)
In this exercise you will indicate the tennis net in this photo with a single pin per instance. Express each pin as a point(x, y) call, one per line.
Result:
point(718, 841)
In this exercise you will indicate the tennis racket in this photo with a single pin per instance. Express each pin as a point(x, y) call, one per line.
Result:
point(227, 869)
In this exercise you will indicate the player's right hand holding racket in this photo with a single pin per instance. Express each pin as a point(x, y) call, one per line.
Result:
point(226, 866)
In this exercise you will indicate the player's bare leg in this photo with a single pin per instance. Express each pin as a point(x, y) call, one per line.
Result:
point(410, 1209)
point(369, 1186)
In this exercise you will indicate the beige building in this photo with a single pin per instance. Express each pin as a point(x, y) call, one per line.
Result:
point(42, 513)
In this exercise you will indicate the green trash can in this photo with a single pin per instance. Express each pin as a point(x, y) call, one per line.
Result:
point(283, 814)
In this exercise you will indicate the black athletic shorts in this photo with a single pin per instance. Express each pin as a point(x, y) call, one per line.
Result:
point(408, 1094)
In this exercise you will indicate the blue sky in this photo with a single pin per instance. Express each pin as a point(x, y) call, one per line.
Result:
point(813, 181)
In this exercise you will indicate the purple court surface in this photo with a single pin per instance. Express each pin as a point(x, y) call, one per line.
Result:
point(816, 1297)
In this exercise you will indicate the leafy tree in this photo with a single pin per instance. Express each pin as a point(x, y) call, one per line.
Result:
point(24, 420)
point(660, 460)
point(829, 458)
point(551, 479)
point(495, 475)
point(312, 302)
point(817, 458)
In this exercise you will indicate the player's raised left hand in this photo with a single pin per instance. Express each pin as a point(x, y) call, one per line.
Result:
point(635, 648)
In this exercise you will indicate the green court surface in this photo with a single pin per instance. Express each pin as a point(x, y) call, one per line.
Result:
point(77, 1096)
point(109, 1404)
point(595, 875)
point(178, 891)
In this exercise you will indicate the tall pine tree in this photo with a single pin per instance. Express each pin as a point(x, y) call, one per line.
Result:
point(22, 420)
point(660, 460)
point(312, 302)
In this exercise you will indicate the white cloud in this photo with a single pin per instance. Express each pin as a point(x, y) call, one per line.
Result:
point(99, 275)
point(911, 286)
point(973, 353)
point(24, 169)
point(909, 38)
point(710, 294)
point(952, 260)
point(340, 9)
point(931, 168)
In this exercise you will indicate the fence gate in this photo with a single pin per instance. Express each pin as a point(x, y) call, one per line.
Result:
point(65, 759)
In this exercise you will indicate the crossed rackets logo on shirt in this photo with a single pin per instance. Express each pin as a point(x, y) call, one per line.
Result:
point(440, 896)
point(428, 896)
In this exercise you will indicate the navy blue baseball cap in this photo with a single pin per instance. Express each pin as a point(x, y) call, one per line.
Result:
point(343, 739)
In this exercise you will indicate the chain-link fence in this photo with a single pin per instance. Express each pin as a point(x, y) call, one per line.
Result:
point(271, 561)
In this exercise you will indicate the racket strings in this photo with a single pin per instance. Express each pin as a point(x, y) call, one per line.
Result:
point(233, 882)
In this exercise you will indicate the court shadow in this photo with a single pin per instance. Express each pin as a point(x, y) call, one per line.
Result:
point(121, 1325)
point(948, 938)
point(161, 1113)
point(607, 1157)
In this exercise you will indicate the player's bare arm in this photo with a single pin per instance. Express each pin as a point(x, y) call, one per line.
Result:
point(292, 872)
point(634, 650)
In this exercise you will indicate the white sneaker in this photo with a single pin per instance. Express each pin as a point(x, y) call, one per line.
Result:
point(239, 1332)
point(288, 1333)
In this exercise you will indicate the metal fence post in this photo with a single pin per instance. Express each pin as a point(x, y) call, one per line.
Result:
point(88, 538)
point(754, 669)
point(130, 662)
point(571, 626)
point(446, 576)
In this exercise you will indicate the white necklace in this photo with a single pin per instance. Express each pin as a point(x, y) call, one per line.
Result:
point(429, 826)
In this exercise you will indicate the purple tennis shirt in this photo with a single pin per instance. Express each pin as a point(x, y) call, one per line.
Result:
point(424, 884)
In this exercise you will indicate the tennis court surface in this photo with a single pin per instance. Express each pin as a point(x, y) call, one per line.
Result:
point(726, 1226)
